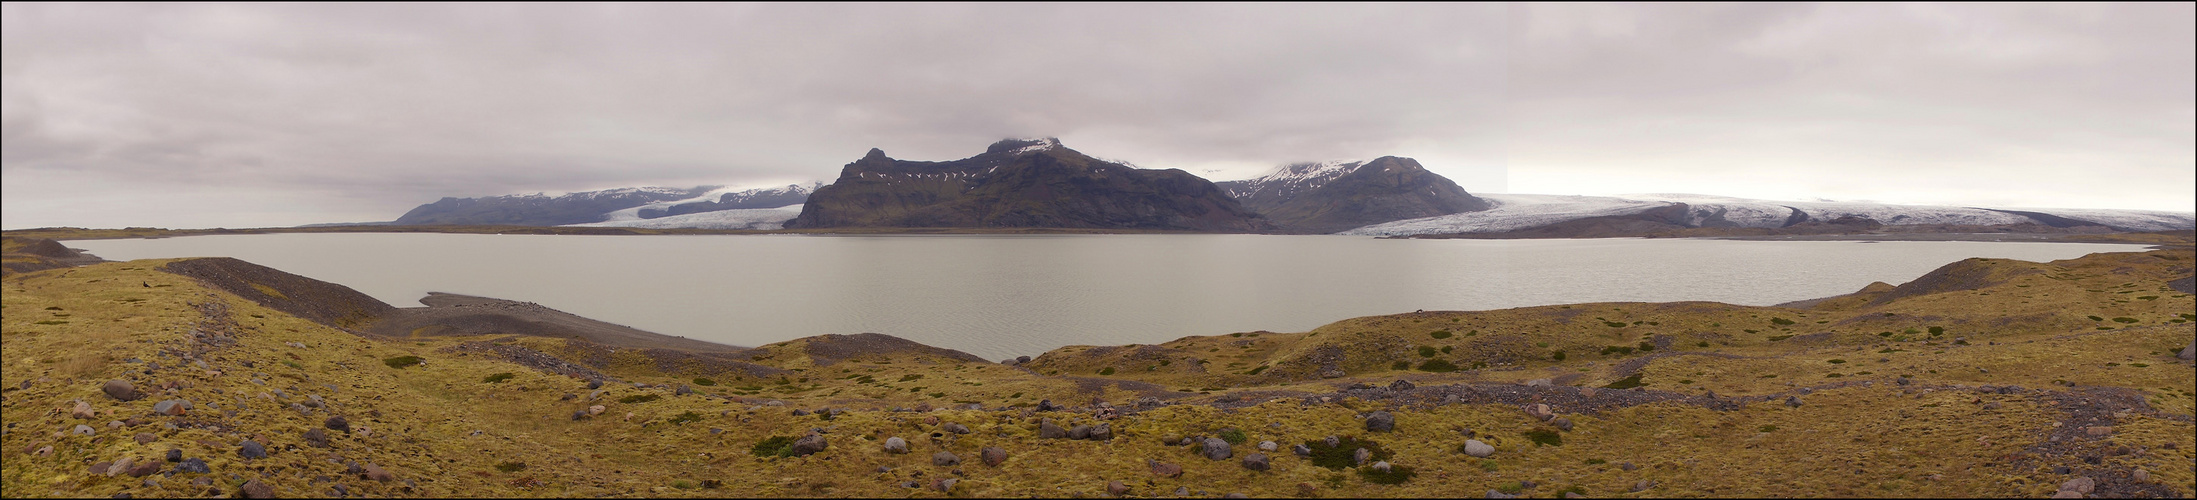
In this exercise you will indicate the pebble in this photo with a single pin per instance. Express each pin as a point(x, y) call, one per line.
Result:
point(945, 484)
point(1792, 401)
point(256, 489)
point(1268, 446)
point(1380, 421)
point(1301, 450)
point(1360, 456)
point(1561, 423)
point(175, 455)
point(2102, 430)
point(1115, 488)
point(1482, 450)
point(1216, 449)
point(83, 410)
point(896, 445)
point(1256, 461)
point(2141, 476)
point(945, 459)
point(955, 428)
point(596, 410)
point(375, 472)
point(84, 429)
point(1382, 467)
point(993, 456)
point(144, 469)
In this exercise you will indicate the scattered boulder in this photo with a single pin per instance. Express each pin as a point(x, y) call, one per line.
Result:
point(1380, 421)
point(175, 455)
point(316, 438)
point(256, 489)
point(1080, 432)
point(1401, 385)
point(83, 410)
point(1586, 392)
point(809, 444)
point(682, 390)
point(193, 465)
point(1478, 449)
point(1047, 405)
point(1268, 446)
point(2099, 431)
point(251, 450)
point(1215, 449)
point(144, 469)
point(120, 390)
point(955, 428)
point(594, 384)
point(1256, 461)
point(1101, 432)
point(580, 415)
point(84, 430)
point(1792, 401)
point(1382, 467)
point(102, 468)
point(944, 484)
point(376, 473)
point(945, 459)
point(896, 445)
point(1115, 488)
point(2083, 485)
point(1301, 450)
point(993, 456)
point(337, 423)
point(1049, 430)
point(1360, 456)
point(2140, 475)
point(1540, 411)
point(800, 412)
point(2189, 353)
point(596, 410)
point(1562, 423)
point(146, 438)
point(1164, 469)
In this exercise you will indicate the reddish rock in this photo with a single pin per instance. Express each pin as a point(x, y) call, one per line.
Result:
point(1164, 469)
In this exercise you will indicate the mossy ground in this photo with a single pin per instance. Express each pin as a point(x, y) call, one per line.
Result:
point(2027, 324)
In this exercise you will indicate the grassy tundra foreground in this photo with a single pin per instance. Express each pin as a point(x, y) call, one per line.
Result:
point(1986, 377)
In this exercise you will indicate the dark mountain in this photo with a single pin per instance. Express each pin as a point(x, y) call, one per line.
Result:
point(1335, 196)
point(1022, 183)
point(791, 194)
point(540, 210)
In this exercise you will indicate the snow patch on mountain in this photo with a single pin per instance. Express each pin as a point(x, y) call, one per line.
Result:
point(1289, 180)
point(1512, 212)
point(740, 218)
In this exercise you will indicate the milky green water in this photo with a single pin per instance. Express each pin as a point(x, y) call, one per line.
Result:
point(1000, 296)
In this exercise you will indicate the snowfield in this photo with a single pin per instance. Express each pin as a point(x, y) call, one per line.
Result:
point(743, 218)
point(1520, 211)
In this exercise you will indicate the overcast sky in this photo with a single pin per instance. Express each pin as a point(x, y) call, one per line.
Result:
point(256, 115)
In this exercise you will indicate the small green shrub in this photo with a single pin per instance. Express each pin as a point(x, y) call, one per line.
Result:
point(498, 377)
point(1339, 457)
point(1836, 361)
point(511, 466)
point(1400, 365)
point(2095, 318)
point(693, 417)
point(1489, 465)
point(1396, 474)
point(1437, 365)
point(2124, 319)
point(1107, 371)
point(1445, 349)
point(1596, 461)
point(401, 361)
point(683, 484)
point(1884, 334)
point(707, 382)
point(1613, 324)
point(1625, 383)
point(1427, 351)
point(1512, 487)
point(775, 446)
point(1233, 436)
point(639, 398)
point(910, 377)
point(1766, 428)
point(1645, 346)
point(1440, 334)
point(1937, 330)
point(1255, 371)
point(1545, 437)
point(1780, 321)
point(1558, 355)
point(293, 364)
point(1774, 338)
point(1703, 343)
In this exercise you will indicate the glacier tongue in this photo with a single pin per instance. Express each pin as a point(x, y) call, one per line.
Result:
point(1521, 211)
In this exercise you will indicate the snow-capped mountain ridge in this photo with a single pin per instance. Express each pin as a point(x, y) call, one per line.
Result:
point(1513, 212)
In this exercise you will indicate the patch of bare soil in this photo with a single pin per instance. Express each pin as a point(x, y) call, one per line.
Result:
point(453, 315)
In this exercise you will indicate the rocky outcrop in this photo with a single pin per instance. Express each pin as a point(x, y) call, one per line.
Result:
point(1022, 183)
point(1330, 197)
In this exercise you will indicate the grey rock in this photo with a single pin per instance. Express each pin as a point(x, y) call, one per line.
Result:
point(682, 390)
point(337, 423)
point(945, 484)
point(1380, 421)
point(2083, 485)
point(193, 466)
point(1333, 441)
point(251, 449)
point(1401, 385)
point(1540, 382)
point(84, 430)
point(1268, 446)
point(896, 445)
point(944, 459)
point(955, 428)
point(1047, 405)
point(174, 455)
point(1562, 423)
point(145, 438)
point(1382, 467)
point(1792, 401)
point(800, 412)
point(1256, 461)
point(1627, 466)
point(120, 390)
point(317, 438)
point(1478, 449)
point(1182, 491)
point(1360, 456)
point(1049, 430)
point(594, 384)
point(1080, 432)
point(2189, 353)
point(1101, 432)
point(809, 444)
point(1215, 449)
point(579, 414)
point(1301, 450)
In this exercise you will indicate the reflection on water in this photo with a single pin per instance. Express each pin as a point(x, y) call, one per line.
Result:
point(999, 296)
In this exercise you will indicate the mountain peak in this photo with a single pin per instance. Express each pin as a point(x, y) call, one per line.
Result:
point(1020, 146)
point(876, 154)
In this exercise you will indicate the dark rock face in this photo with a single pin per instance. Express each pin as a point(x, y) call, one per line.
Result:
point(538, 210)
point(1022, 183)
point(1325, 198)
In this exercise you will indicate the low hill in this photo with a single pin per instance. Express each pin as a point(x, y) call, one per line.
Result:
point(1988, 378)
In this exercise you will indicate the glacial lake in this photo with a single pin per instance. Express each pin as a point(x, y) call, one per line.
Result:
point(1001, 296)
